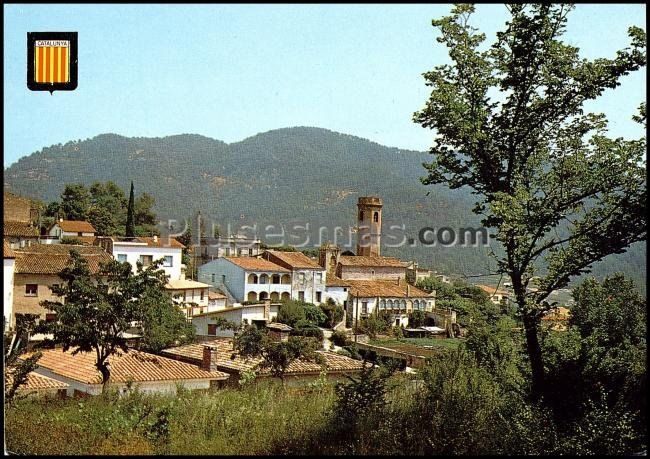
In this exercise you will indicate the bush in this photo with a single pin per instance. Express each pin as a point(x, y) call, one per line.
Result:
point(333, 312)
point(340, 338)
point(290, 312)
point(306, 328)
point(315, 315)
point(417, 319)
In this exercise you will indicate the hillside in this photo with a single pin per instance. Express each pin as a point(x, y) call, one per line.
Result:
point(292, 176)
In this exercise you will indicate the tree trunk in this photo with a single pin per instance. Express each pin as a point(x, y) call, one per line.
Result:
point(106, 374)
point(531, 326)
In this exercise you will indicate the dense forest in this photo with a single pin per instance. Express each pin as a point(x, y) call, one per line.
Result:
point(293, 176)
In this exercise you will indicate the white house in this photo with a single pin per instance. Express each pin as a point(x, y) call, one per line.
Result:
point(243, 314)
point(247, 279)
point(146, 250)
point(395, 297)
point(229, 246)
point(308, 278)
point(191, 296)
point(496, 295)
point(71, 229)
point(337, 289)
point(8, 268)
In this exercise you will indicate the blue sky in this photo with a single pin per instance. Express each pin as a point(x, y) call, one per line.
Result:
point(231, 71)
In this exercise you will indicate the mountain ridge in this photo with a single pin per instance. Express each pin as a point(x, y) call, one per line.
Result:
point(296, 175)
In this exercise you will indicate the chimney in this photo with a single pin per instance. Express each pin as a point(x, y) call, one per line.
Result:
point(209, 362)
point(278, 332)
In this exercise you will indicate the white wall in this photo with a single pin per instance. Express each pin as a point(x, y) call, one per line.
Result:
point(8, 289)
point(234, 280)
point(310, 285)
point(133, 252)
point(338, 294)
point(237, 315)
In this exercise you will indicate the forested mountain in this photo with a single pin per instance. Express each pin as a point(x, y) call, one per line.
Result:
point(292, 176)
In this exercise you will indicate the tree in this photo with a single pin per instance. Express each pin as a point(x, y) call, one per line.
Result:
point(163, 322)
point(106, 212)
point(130, 215)
point(290, 312)
point(17, 369)
point(333, 312)
point(99, 308)
point(75, 201)
point(548, 179)
point(417, 319)
point(145, 218)
point(276, 355)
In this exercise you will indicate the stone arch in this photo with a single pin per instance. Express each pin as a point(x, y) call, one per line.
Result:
point(264, 279)
point(275, 296)
point(264, 296)
point(252, 296)
point(252, 278)
point(286, 296)
point(275, 279)
point(286, 279)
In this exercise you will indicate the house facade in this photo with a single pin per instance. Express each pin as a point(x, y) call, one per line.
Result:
point(370, 268)
point(247, 279)
point(80, 230)
point(496, 295)
point(308, 278)
point(244, 314)
point(396, 298)
point(146, 250)
point(229, 246)
point(190, 296)
point(37, 270)
point(8, 269)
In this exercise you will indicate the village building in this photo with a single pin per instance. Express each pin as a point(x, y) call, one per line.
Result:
point(147, 372)
point(247, 279)
point(496, 295)
point(370, 268)
point(40, 386)
point(259, 314)
point(20, 220)
point(229, 246)
point(192, 297)
point(336, 289)
point(396, 298)
point(308, 278)
point(20, 234)
point(78, 230)
point(8, 269)
point(37, 269)
point(299, 371)
point(216, 300)
point(146, 250)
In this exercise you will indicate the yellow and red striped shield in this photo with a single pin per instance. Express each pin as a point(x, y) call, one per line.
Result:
point(51, 61)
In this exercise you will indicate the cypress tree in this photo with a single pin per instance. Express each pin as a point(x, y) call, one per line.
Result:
point(130, 221)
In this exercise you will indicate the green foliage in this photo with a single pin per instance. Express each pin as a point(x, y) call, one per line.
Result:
point(130, 215)
point(315, 315)
point(99, 308)
point(307, 328)
point(75, 201)
point(548, 180)
point(16, 370)
point(293, 311)
point(417, 319)
point(276, 355)
point(340, 338)
point(163, 323)
point(333, 312)
point(70, 240)
point(373, 325)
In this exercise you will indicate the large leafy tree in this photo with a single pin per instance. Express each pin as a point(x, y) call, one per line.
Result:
point(511, 125)
point(99, 308)
point(75, 202)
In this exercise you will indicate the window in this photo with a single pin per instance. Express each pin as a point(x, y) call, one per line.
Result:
point(301, 278)
point(227, 251)
point(168, 261)
point(250, 252)
point(212, 329)
point(376, 217)
point(202, 293)
point(50, 317)
point(214, 278)
point(318, 296)
point(121, 257)
point(31, 290)
point(79, 233)
point(184, 297)
point(361, 215)
point(364, 307)
point(146, 260)
point(301, 295)
point(319, 278)
point(239, 252)
point(54, 286)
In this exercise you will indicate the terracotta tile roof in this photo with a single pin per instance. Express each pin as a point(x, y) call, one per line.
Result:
point(229, 360)
point(385, 288)
point(160, 241)
point(19, 229)
point(371, 261)
point(136, 366)
point(291, 260)
point(17, 208)
point(256, 264)
point(182, 284)
point(212, 295)
point(75, 226)
point(279, 326)
point(333, 281)
point(36, 382)
point(491, 290)
point(52, 258)
point(7, 251)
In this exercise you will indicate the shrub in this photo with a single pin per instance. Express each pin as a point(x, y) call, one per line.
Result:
point(340, 338)
point(333, 312)
point(315, 315)
point(290, 312)
point(306, 328)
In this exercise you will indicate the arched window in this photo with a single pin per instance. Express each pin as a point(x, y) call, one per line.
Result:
point(382, 304)
point(416, 305)
point(264, 296)
point(403, 305)
point(264, 279)
point(376, 217)
point(275, 279)
point(390, 304)
point(252, 296)
point(252, 278)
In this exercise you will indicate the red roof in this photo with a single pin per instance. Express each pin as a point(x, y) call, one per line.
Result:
point(371, 261)
point(19, 229)
point(7, 251)
point(256, 264)
point(291, 260)
point(52, 258)
point(75, 226)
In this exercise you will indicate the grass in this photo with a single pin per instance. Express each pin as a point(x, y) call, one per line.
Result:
point(416, 345)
